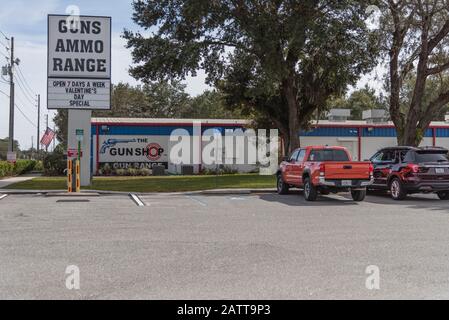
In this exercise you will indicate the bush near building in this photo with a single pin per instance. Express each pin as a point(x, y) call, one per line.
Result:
point(20, 167)
point(55, 163)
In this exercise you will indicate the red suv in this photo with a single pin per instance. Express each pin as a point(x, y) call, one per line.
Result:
point(408, 170)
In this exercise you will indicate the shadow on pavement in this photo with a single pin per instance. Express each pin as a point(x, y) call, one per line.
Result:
point(415, 201)
point(296, 198)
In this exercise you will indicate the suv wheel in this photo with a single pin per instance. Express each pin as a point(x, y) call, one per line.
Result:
point(310, 192)
point(443, 195)
point(397, 189)
point(358, 195)
point(282, 188)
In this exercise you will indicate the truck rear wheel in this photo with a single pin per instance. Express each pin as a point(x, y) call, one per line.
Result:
point(282, 188)
point(358, 195)
point(310, 192)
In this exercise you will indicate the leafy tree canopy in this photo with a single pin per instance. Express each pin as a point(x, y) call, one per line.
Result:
point(295, 52)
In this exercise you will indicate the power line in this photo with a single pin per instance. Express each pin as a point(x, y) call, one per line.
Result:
point(4, 93)
point(25, 81)
point(4, 35)
point(4, 55)
point(23, 102)
point(6, 46)
point(32, 101)
point(24, 88)
point(24, 115)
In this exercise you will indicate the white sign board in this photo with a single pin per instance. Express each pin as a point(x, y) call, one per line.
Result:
point(11, 157)
point(79, 62)
point(133, 151)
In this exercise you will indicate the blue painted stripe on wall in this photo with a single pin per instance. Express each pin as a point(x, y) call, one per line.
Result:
point(316, 132)
point(152, 130)
point(442, 133)
point(353, 132)
point(331, 132)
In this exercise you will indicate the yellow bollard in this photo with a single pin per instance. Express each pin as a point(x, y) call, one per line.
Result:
point(78, 180)
point(69, 175)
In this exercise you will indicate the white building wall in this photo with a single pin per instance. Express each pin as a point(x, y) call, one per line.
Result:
point(351, 143)
point(442, 142)
point(427, 142)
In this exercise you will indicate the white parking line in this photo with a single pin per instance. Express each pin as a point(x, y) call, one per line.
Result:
point(3, 196)
point(197, 201)
point(137, 200)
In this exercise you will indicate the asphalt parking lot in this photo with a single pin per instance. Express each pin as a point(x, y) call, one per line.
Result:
point(224, 247)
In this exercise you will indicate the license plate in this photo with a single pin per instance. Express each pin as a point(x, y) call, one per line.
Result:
point(346, 183)
point(439, 170)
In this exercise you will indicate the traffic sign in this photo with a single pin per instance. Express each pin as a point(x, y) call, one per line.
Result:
point(73, 153)
point(79, 135)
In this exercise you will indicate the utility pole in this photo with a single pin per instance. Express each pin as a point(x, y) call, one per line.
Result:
point(38, 122)
point(11, 98)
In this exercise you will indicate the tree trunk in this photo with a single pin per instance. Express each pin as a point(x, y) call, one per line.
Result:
point(293, 121)
point(411, 136)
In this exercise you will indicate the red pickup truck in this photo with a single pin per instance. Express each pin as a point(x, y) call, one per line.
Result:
point(325, 170)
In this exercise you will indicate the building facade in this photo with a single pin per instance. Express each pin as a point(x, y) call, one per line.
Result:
point(142, 143)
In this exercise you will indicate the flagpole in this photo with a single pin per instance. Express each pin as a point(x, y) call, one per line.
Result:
point(54, 140)
point(46, 147)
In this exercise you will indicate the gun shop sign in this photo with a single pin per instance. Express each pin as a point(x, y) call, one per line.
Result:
point(79, 62)
point(123, 152)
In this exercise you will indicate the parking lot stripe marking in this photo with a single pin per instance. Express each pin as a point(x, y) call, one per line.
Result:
point(197, 201)
point(3, 196)
point(137, 200)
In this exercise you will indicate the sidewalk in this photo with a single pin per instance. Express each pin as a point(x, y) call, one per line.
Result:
point(6, 182)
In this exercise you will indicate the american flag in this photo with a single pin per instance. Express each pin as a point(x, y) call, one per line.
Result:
point(48, 137)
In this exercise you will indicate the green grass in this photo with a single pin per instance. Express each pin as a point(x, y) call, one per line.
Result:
point(156, 184)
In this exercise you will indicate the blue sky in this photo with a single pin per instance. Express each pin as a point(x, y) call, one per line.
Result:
point(26, 20)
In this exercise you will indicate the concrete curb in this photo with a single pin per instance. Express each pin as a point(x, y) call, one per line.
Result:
point(56, 193)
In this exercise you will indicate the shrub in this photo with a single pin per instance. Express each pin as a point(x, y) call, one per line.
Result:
point(131, 172)
point(106, 170)
point(219, 171)
point(39, 166)
point(55, 163)
point(24, 166)
point(6, 169)
point(145, 172)
point(120, 172)
point(20, 167)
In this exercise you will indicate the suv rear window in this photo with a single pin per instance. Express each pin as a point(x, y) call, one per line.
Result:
point(328, 155)
point(422, 157)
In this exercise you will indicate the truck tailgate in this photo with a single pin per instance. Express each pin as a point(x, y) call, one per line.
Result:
point(347, 170)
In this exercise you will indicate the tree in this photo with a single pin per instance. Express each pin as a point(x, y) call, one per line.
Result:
point(305, 50)
point(416, 37)
point(358, 101)
point(431, 92)
point(61, 123)
point(4, 147)
point(209, 105)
